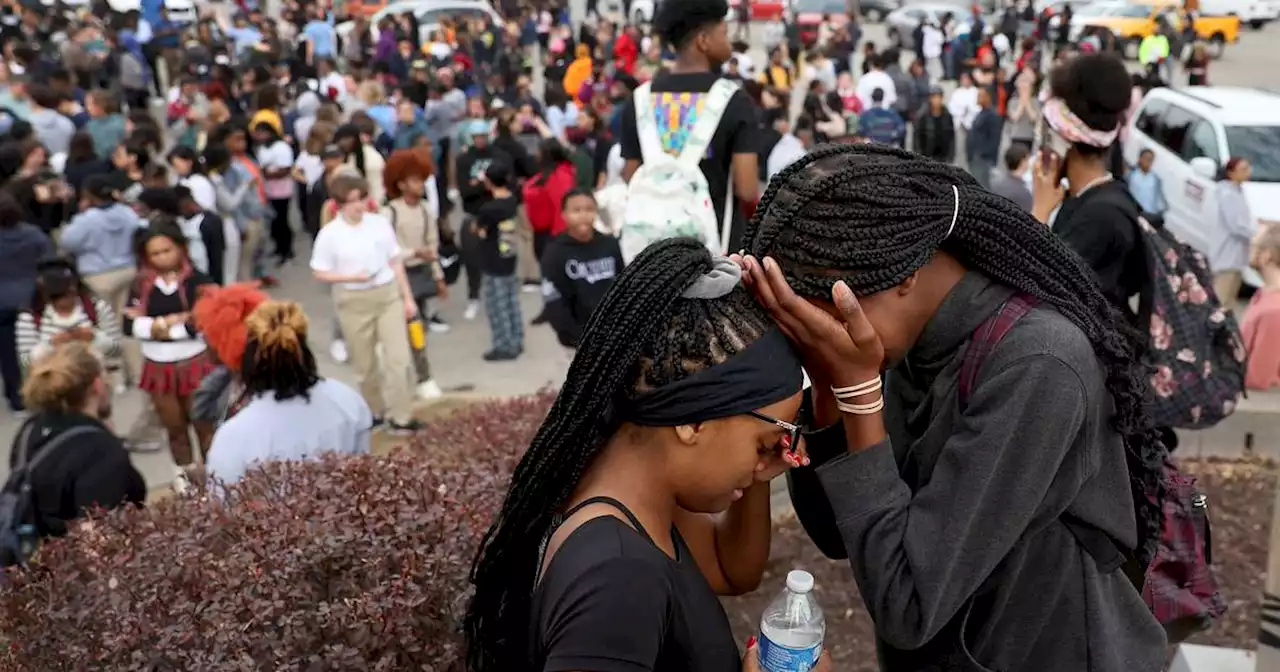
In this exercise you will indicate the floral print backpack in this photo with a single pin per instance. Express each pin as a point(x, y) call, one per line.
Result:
point(1195, 347)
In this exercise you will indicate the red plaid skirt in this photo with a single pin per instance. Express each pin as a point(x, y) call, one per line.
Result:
point(179, 378)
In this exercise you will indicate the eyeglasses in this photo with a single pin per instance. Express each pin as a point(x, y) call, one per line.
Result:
point(793, 430)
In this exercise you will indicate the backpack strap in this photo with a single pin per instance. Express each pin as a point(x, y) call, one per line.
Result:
point(646, 125)
point(90, 308)
point(987, 336)
point(60, 439)
point(704, 129)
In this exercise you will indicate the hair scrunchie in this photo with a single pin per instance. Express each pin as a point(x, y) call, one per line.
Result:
point(719, 281)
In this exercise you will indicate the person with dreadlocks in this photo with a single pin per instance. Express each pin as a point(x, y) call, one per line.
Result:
point(677, 407)
point(291, 412)
point(220, 316)
point(159, 315)
point(975, 490)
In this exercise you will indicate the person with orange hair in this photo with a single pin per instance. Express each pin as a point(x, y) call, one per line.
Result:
point(292, 413)
point(220, 315)
point(418, 234)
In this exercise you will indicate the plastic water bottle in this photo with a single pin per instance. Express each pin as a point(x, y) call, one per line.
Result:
point(792, 627)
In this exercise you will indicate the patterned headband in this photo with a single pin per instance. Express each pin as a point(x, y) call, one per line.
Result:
point(1064, 122)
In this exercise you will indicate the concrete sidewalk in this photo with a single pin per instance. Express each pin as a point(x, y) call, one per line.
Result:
point(455, 360)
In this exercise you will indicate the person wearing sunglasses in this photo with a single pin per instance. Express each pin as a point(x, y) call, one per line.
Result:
point(646, 490)
point(358, 254)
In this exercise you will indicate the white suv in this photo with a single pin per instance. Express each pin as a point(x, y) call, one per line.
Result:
point(1193, 131)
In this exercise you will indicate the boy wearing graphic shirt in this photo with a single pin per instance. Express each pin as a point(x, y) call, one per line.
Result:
point(577, 268)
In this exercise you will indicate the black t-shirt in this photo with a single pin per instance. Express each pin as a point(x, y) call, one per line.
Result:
point(576, 275)
point(612, 601)
point(499, 238)
point(734, 135)
point(1101, 225)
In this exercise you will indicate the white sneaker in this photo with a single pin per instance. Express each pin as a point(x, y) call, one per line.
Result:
point(338, 351)
point(530, 288)
point(428, 389)
point(181, 482)
point(473, 309)
point(437, 325)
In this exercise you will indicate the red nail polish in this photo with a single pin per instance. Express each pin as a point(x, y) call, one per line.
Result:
point(751, 642)
point(786, 441)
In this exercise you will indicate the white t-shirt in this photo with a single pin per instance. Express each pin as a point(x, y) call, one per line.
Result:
point(311, 166)
point(877, 79)
point(334, 419)
point(788, 150)
point(201, 190)
point(963, 106)
point(272, 157)
point(366, 248)
point(933, 39)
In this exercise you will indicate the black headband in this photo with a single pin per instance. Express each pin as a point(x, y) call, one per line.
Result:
point(765, 373)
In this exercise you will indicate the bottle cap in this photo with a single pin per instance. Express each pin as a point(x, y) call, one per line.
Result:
point(799, 581)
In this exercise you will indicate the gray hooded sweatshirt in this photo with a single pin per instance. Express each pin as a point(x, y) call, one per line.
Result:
point(953, 525)
point(101, 238)
point(53, 130)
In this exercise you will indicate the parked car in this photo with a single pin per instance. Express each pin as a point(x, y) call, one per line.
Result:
point(428, 12)
point(1193, 131)
point(875, 11)
point(902, 22)
point(1256, 13)
point(1133, 21)
point(811, 14)
point(761, 10)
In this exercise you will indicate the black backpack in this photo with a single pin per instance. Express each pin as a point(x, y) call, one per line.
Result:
point(18, 535)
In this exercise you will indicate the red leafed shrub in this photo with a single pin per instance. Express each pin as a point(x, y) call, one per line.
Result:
point(346, 563)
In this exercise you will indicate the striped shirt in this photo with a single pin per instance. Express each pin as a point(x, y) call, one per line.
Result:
point(36, 342)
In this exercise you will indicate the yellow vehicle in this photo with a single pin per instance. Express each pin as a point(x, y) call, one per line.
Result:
point(1130, 22)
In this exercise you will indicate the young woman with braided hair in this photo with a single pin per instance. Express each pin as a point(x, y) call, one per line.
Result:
point(965, 490)
point(607, 554)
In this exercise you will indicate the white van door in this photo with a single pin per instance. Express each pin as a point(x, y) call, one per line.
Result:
point(1185, 195)
point(1201, 189)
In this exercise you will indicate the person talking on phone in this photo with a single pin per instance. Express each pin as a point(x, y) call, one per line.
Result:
point(1081, 120)
point(1096, 215)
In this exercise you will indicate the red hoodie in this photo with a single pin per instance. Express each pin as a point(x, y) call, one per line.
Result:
point(543, 198)
point(626, 51)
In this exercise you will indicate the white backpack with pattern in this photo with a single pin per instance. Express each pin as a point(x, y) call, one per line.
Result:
point(668, 196)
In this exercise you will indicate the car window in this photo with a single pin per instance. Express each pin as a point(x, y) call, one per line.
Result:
point(1173, 128)
point(1131, 11)
point(914, 14)
point(1260, 145)
point(434, 14)
point(1202, 141)
point(1149, 116)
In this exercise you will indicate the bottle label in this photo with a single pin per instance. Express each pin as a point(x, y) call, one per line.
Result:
point(775, 657)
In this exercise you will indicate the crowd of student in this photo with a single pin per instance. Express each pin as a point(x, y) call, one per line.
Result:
point(867, 267)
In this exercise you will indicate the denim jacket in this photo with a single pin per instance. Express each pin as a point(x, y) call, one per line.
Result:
point(238, 197)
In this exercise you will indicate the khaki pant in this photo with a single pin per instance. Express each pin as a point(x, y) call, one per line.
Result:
point(372, 317)
point(527, 268)
point(249, 243)
point(113, 287)
point(1226, 284)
